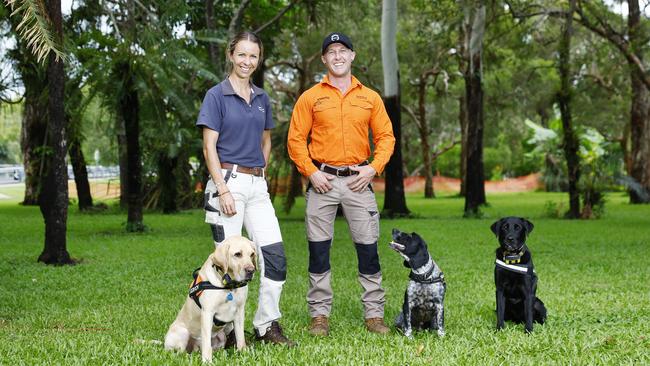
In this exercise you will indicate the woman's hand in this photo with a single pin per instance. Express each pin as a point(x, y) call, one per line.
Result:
point(227, 203)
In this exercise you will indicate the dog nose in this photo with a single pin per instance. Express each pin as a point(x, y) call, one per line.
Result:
point(250, 270)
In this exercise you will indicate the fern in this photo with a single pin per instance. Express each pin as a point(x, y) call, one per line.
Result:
point(34, 28)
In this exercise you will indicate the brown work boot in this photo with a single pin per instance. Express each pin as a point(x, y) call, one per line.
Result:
point(319, 326)
point(274, 335)
point(376, 325)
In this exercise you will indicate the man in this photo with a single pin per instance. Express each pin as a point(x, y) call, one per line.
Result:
point(328, 142)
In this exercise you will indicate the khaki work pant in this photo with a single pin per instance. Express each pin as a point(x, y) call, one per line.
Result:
point(362, 215)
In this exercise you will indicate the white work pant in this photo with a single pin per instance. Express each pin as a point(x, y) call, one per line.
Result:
point(256, 213)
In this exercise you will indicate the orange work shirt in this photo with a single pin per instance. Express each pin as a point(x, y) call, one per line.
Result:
point(337, 126)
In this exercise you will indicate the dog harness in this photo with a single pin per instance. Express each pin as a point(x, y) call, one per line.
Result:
point(426, 277)
point(519, 268)
point(198, 286)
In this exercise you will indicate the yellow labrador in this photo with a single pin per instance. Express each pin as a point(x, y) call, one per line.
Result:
point(217, 298)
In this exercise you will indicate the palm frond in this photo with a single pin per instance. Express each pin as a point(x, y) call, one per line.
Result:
point(34, 28)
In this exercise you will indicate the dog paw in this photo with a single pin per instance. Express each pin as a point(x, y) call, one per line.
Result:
point(441, 333)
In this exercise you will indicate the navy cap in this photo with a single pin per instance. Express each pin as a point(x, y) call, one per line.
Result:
point(336, 38)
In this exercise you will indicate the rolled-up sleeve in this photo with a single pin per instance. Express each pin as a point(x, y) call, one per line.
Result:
point(299, 129)
point(382, 133)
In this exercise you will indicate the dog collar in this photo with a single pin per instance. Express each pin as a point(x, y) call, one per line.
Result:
point(228, 282)
point(512, 258)
point(423, 274)
point(427, 279)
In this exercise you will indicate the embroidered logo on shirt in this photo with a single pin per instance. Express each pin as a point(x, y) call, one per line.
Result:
point(260, 108)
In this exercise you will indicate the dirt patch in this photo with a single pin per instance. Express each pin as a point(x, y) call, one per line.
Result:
point(444, 184)
point(100, 190)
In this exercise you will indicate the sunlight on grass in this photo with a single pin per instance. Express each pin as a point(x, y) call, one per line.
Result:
point(593, 278)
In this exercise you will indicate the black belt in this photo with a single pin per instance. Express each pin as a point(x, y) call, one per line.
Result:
point(339, 172)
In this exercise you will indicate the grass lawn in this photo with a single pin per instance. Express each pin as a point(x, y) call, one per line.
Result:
point(594, 277)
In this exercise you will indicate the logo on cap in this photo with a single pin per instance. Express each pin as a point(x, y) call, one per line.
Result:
point(334, 37)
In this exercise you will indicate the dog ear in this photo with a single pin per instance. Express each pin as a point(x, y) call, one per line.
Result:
point(419, 240)
point(220, 256)
point(528, 225)
point(254, 247)
point(496, 227)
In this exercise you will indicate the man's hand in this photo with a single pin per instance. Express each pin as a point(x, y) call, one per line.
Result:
point(361, 180)
point(321, 181)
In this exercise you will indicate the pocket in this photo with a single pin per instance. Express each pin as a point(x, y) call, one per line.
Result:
point(374, 221)
point(360, 112)
point(210, 199)
point(361, 104)
point(323, 107)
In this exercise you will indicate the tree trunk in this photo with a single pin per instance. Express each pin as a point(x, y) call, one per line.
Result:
point(168, 184)
point(424, 138)
point(474, 177)
point(462, 119)
point(294, 189)
point(122, 160)
point(53, 197)
point(639, 124)
point(33, 138)
point(570, 144)
point(80, 175)
point(129, 106)
point(185, 185)
point(394, 199)
point(213, 50)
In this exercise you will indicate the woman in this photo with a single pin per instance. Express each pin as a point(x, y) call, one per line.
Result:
point(236, 120)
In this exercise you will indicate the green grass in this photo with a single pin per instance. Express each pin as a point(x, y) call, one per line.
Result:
point(593, 278)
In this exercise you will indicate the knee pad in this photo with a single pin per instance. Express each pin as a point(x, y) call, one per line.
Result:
point(368, 258)
point(275, 262)
point(319, 256)
point(218, 234)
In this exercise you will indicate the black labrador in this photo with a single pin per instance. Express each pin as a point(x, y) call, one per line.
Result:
point(424, 297)
point(514, 275)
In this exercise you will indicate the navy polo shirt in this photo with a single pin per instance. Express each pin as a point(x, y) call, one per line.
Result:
point(240, 125)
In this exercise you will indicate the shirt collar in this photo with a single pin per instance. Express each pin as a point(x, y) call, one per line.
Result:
point(229, 90)
point(355, 82)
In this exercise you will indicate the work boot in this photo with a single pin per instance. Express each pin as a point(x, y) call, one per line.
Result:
point(376, 325)
point(274, 335)
point(319, 326)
